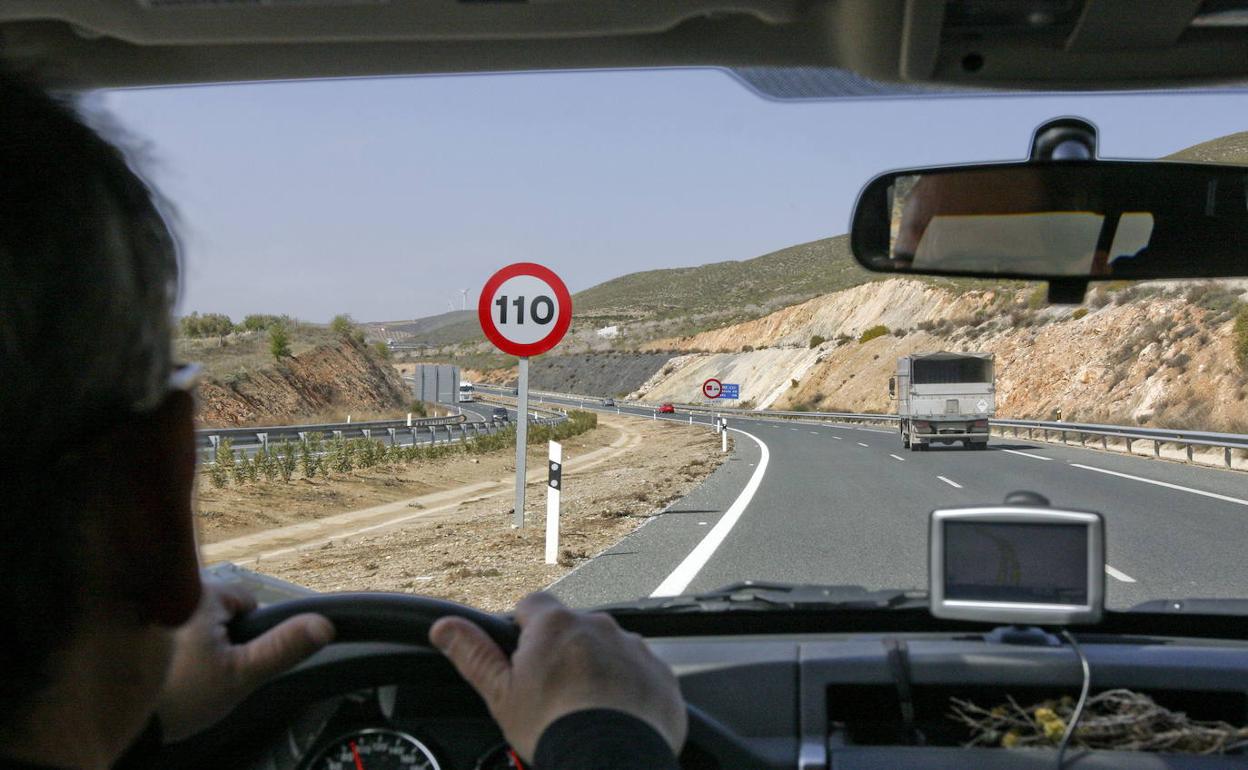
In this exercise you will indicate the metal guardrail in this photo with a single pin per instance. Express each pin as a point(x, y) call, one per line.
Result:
point(205, 437)
point(1188, 439)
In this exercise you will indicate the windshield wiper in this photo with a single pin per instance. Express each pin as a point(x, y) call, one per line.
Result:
point(757, 595)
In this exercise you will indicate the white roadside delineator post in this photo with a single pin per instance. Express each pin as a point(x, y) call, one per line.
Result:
point(554, 487)
point(723, 434)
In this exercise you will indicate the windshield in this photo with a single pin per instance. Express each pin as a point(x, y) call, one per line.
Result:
point(358, 428)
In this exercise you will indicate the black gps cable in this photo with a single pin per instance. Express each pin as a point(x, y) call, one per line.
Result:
point(1083, 699)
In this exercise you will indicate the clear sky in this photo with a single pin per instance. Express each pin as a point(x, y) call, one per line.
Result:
point(383, 198)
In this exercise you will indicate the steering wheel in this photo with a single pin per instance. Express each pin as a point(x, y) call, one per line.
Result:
point(406, 619)
point(376, 617)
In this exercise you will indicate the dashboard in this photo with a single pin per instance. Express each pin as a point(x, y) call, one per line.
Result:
point(813, 701)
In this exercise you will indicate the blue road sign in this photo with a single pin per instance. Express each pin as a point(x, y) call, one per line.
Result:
point(730, 390)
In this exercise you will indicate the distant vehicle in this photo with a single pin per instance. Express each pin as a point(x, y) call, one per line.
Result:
point(467, 393)
point(608, 402)
point(667, 409)
point(943, 398)
point(499, 413)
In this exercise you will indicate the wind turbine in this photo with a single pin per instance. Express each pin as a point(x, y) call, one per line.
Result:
point(463, 302)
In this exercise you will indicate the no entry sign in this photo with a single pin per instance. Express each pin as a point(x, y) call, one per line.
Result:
point(712, 388)
point(524, 309)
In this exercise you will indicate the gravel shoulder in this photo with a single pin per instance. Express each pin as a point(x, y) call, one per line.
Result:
point(443, 528)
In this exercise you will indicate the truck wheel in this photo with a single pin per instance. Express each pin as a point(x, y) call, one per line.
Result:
point(905, 441)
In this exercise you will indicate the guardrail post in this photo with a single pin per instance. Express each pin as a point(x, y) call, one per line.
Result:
point(1156, 448)
point(1063, 438)
point(1105, 442)
point(414, 440)
point(433, 434)
point(1083, 439)
point(1226, 455)
point(1129, 442)
point(263, 438)
point(368, 433)
point(1189, 453)
point(337, 434)
point(394, 436)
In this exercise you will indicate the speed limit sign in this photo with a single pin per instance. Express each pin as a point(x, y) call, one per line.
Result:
point(524, 309)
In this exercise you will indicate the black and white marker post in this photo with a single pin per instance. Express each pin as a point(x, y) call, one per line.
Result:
point(554, 487)
point(524, 309)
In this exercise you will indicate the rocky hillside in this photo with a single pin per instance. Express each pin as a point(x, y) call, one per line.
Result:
point(344, 376)
point(1154, 354)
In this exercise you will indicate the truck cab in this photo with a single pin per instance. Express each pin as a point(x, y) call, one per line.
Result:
point(944, 398)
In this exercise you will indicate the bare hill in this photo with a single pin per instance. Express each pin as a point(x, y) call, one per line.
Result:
point(341, 377)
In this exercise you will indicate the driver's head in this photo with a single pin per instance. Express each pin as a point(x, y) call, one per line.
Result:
point(96, 455)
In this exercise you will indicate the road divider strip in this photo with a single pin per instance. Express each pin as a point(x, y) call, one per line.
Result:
point(676, 583)
point(1166, 484)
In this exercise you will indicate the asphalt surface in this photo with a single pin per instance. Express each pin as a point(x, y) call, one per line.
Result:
point(840, 504)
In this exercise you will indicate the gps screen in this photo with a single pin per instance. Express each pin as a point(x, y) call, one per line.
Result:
point(1017, 563)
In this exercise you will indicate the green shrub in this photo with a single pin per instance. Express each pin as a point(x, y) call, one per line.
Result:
point(218, 475)
point(258, 322)
point(310, 455)
point(206, 325)
point(225, 457)
point(875, 331)
point(382, 350)
point(279, 342)
point(342, 325)
point(1080, 312)
point(816, 340)
point(1038, 298)
point(287, 460)
point(239, 468)
point(1239, 343)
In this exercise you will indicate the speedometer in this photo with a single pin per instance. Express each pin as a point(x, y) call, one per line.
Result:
point(375, 749)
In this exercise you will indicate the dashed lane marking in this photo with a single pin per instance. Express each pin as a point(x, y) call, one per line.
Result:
point(1118, 574)
point(950, 482)
point(1027, 454)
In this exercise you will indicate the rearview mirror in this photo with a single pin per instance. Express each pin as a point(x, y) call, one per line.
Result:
point(1065, 220)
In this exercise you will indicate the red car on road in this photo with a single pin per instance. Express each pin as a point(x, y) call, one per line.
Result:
point(667, 409)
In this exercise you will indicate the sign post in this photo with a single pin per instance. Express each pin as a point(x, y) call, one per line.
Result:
point(524, 309)
point(522, 439)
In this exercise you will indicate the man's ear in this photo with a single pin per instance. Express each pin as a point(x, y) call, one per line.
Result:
point(150, 523)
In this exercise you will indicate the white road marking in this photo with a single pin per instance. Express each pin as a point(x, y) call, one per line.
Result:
point(1165, 484)
point(1118, 574)
point(838, 438)
point(687, 570)
point(1026, 454)
point(701, 523)
point(950, 482)
point(868, 446)
point(898, 459)
point(814, 433)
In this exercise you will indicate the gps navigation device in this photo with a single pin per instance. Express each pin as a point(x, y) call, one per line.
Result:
point(1017, 564)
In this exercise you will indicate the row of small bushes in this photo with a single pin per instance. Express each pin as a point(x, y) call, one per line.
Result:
point(316, 456)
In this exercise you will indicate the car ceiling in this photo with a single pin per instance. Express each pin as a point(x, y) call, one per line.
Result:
point(833, 47)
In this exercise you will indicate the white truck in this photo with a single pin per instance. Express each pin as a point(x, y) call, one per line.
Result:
point(944, 398)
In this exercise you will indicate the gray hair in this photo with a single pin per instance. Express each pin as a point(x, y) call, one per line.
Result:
point(88, 278)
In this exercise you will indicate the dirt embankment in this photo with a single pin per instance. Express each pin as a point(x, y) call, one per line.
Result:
point(1146, 355)
point(342, 377)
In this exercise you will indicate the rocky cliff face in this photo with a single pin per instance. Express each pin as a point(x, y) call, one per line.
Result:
point(1154, 355)
point(337, 377)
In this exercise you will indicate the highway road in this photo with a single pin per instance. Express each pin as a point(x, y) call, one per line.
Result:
point(841, 504)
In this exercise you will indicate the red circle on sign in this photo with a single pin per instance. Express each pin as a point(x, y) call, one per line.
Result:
point(707, 387)
point(486, 300)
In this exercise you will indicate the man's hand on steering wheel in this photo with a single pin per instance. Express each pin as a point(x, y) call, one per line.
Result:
point(209, 674)
point(565, 662)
